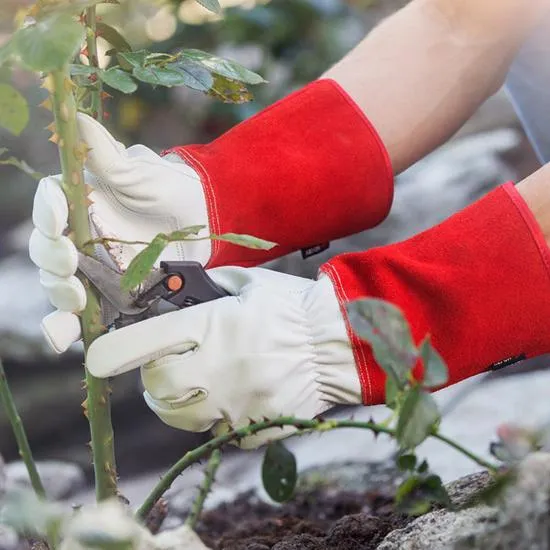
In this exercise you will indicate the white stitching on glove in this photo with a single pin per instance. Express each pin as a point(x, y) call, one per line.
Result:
point(277, 346)
point(136, 195)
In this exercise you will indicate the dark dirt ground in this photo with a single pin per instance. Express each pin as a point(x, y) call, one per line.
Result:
point(317, 519)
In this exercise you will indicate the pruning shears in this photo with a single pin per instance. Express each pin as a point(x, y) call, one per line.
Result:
point(174, 286)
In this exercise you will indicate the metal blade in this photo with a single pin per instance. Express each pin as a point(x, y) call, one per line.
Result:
point(107, 281)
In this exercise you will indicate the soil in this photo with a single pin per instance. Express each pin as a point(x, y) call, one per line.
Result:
point(318, 519)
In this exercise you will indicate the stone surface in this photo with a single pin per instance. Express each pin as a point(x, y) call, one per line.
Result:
point(8, 539)
point(61, 480)
point(520, 522)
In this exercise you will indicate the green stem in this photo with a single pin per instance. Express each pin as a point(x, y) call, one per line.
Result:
point(91, 44)
point(72, 153)
point(209, 475)
point(318, 425)
point(218, 442)
point(19, 433)
point(491, 467)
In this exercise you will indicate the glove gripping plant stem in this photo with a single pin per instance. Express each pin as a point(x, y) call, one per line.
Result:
point(72, 153)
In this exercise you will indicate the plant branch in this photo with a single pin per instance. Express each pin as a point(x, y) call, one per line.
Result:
point(72, 153)
point(318, 425)
point(204, 489)
point(91, 44)
point(218, 442)
point(19, 433)
point(491, 467)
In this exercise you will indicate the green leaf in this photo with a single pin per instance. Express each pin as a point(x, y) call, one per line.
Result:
point(194, 76)
point(133, 59)
point(392, 392)
point(384, 327)
point(406, 462)
point(143, 263)
point(279, 472)
point(77, 69)
point(419, 415)
point(229, 91)
point(247, 241)
point(223, 67)
point(113, 37)
point(49, 43)
point(6, 52)
point(435, 370)
point(211, 5)
point(182, 234)
point(97, 538)
point(14, 110)
point(118, 79)
point(21, 164)
point(423, 468)
point(159, 76)
point(417, 494)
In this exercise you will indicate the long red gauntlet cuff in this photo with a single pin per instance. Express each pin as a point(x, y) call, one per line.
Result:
point(307, 170)
point(479, 283)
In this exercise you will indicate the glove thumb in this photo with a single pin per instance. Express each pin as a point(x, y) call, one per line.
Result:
point(105, 154)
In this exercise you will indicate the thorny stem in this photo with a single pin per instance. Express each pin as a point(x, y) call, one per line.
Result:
point(318, 425)
point(91, 45)
point(204, 489)
point(72, 153)
point(491, 467)
point(109, 240)
point(23, 446)
point(19, 433)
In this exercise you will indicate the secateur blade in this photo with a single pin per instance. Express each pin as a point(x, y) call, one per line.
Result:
point(108, 283)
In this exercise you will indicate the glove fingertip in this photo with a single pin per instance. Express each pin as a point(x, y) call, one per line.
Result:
point(50, 211)
point(61, 329)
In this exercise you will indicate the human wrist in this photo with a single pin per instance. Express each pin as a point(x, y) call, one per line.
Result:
point(336, 372)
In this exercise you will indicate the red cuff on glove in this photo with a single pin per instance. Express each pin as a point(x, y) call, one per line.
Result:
point(306, 170)
point(479, 283)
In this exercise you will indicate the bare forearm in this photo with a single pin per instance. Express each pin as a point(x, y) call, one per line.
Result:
point(425, 70)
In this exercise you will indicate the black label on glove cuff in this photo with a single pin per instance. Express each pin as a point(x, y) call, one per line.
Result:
point(507, 362)
point(314, 250)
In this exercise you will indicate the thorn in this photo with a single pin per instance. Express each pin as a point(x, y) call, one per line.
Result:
point(106, 95)
point(265, 419)
point(75, 178)
point(47, 104)
point(251, 422)
point(54, 138)
point(51, 127)
point(47, 84)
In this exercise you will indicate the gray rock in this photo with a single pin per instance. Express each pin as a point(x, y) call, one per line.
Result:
point(61, 479)
point(8, 539)
point(520, 522)
point(2, 477)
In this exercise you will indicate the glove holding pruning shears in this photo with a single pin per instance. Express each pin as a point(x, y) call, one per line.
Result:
point(236, 341)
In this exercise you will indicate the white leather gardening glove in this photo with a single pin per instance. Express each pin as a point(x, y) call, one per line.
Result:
point(277, 346)
point(136, 195)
